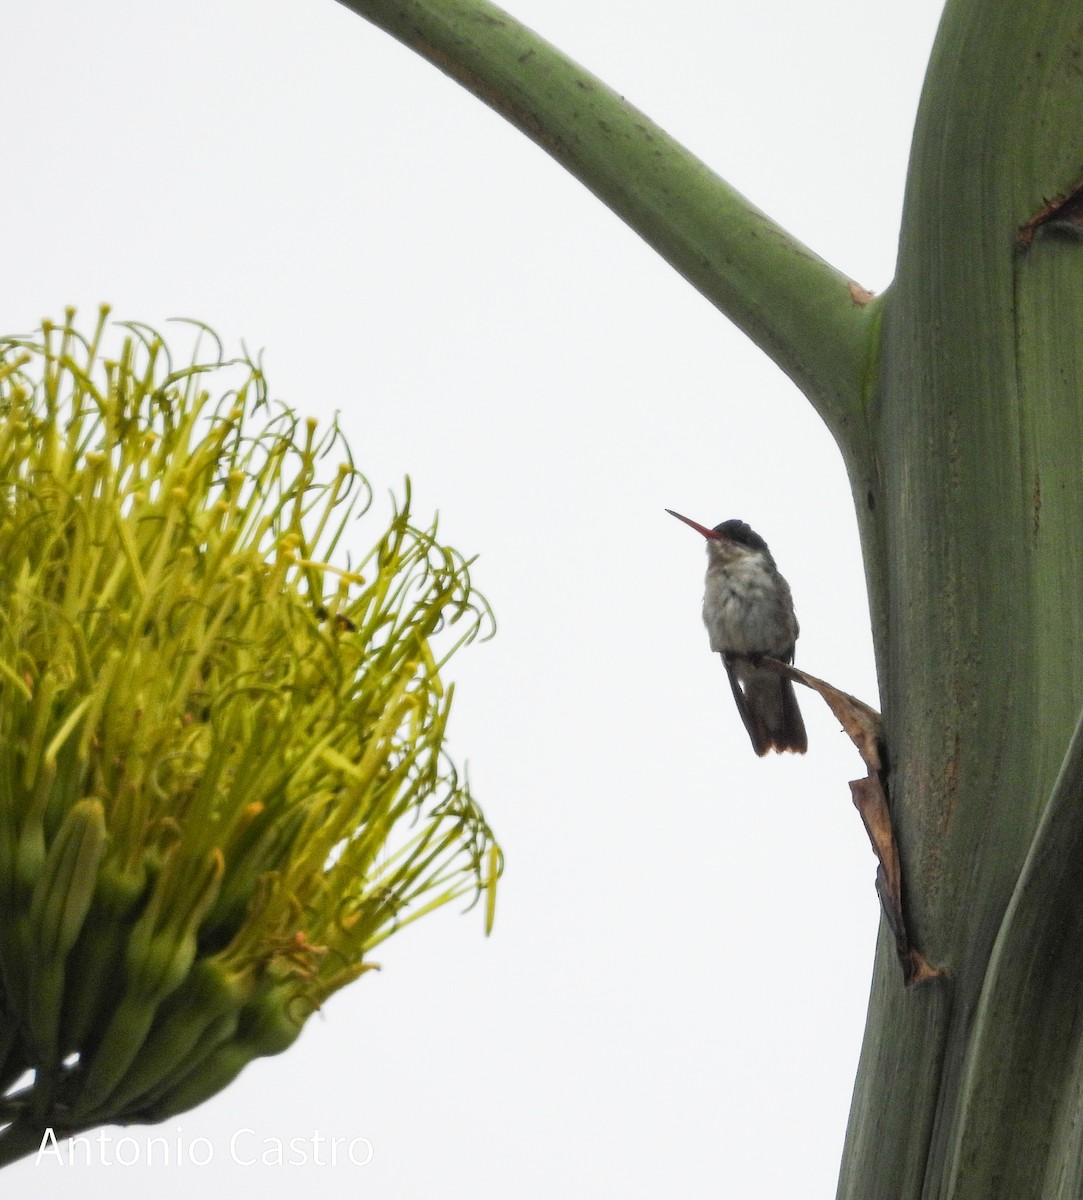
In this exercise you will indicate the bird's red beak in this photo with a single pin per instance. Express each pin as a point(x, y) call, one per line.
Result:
point(707, 533)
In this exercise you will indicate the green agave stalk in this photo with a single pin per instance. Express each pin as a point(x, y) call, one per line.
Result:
point(222, 781)
point(956, 399)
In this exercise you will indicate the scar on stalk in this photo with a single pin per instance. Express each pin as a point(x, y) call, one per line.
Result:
point(1063, 213)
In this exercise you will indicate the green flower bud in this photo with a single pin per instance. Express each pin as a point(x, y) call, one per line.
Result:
point(222, 775)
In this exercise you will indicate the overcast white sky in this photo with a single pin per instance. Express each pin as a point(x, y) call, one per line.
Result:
point(673, 998)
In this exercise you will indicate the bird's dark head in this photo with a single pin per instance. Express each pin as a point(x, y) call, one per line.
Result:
point(728, 541)
point(741, 533)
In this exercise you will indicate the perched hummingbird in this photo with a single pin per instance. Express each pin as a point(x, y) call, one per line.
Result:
point(748, 611)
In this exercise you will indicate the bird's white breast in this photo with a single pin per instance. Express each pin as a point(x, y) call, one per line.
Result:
point(747, 608)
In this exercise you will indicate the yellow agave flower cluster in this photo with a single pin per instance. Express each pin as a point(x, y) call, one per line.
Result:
point(221, 774)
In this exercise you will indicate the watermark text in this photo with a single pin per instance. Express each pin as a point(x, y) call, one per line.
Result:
point(244, 1147)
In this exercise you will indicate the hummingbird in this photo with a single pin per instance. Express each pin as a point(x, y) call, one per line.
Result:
point(748, 611)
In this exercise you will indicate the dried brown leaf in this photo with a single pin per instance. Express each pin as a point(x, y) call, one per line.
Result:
point(864, 726)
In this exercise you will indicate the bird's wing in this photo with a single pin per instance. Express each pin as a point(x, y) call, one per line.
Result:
point(756, 731)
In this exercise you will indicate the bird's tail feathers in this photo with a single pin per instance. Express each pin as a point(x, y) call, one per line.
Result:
point(768, 706)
